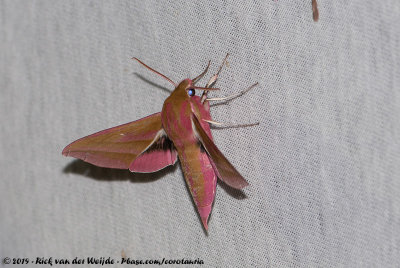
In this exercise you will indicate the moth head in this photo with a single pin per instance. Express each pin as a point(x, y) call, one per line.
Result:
point(190, 88)
point(187, 86)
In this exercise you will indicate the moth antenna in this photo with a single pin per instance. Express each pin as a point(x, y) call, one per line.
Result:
point(230, 125)
point(230, 97)
point(202, 74)
point(151, 69)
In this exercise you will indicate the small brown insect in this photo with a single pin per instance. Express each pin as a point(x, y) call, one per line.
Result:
point(315, 12)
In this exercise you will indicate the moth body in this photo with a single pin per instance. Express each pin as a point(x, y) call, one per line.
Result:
point(181, 130)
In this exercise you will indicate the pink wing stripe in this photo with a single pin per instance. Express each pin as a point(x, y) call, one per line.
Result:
point(103, 159)
point(153, 161)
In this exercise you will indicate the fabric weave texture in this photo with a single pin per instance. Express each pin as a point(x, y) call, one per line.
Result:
point(323, 164)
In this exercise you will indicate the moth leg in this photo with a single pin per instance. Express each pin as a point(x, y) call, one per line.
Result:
point(212, 122)
point(202, 74)
point(233, 96)
point(230, 125)
point(213, 79)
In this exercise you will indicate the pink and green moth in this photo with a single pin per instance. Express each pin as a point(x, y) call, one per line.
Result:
point(181, 130)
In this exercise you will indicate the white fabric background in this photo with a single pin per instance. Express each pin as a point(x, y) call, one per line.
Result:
point(323, 165)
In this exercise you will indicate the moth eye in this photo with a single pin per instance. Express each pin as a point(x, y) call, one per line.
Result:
point(191, 92)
